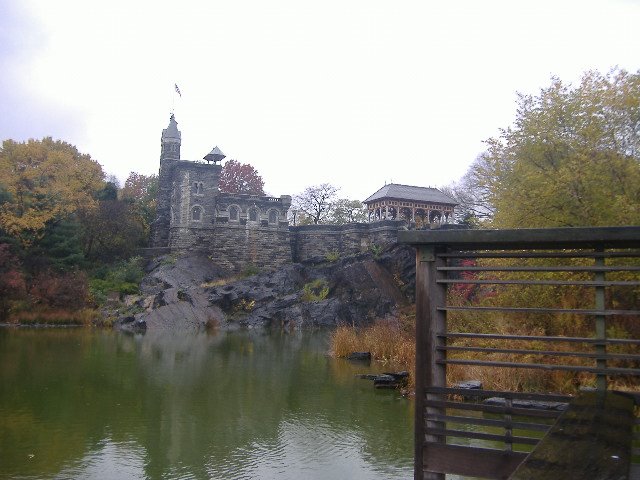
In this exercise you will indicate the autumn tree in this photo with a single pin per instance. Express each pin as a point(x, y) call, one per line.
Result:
point(12, 284)
point(571, 158)
point(315, 204)
point(141, 190)
point(112, 230)
point(239, 177)
point(44, 181)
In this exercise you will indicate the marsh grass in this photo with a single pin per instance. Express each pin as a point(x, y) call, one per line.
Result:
point(60, 317)
point(390, 341)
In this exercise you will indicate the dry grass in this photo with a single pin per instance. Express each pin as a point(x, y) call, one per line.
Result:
point(85, 316)
point(393, 342)
point(220, 282)
point(389, 341)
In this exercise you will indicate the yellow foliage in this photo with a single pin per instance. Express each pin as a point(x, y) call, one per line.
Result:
point(44, 180)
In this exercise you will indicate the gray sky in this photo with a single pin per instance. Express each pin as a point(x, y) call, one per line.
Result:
point(352, 92)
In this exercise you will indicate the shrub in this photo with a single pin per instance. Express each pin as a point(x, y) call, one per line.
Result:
point(315, 291)
point(376, 250)
point(332, 256)
point(123, 277)
point(68, 290)
point(249, 270)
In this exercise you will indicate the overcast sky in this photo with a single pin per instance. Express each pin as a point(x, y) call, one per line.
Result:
point(355, 93)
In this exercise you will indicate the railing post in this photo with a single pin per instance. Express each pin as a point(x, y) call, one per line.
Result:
point(430, 323)
point(600, 322)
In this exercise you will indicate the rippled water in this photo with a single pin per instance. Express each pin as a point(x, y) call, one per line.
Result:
point(245, 405)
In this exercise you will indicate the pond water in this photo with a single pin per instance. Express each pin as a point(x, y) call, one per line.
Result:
point(81, 403)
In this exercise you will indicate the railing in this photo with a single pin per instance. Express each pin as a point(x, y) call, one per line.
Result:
point(519, 319)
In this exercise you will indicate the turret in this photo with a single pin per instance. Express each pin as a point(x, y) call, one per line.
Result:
point(170, 141)
point(169, 154)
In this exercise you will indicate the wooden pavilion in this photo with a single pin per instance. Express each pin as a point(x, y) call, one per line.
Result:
point(423, 205)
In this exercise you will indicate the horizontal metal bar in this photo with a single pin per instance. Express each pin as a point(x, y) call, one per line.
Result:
point(488, 422)
point(481, 436)
point(555, 353)
point(576, 283)
point(530, 254)
point(550, 268)
point(544, 366)
point(533, 338)
point(574, 311)
point(548, 397)
point(498, 409)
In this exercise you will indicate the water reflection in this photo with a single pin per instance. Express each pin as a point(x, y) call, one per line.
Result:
point(242, 405)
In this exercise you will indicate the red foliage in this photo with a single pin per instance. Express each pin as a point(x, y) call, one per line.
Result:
point(239, 177)
point(466, 290)
point(69, 290)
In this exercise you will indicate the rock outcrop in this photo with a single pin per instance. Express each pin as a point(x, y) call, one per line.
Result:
point(193, 291)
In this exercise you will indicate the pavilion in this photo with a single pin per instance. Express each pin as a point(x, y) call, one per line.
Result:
point(424, 205)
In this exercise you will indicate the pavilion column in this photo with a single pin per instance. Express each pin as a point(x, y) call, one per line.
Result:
point(386, 212)
point(413, 214)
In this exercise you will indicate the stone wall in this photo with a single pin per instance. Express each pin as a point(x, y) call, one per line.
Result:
point(312, 241)
point(237, 246)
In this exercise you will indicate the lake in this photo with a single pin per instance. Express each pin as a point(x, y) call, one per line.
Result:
point(97, 404)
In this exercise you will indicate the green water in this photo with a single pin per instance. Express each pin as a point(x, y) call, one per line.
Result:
point(77, 403)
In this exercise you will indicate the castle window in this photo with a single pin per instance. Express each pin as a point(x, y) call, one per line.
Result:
point(198, 188)
point(233, 214)
point(253, 215)
point(273, 216)
point(196, 214)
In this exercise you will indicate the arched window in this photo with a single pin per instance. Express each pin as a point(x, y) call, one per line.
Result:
point(198, 188)
point(253, 215)
point(233, 214)
point(196, 214)
point(273, 216)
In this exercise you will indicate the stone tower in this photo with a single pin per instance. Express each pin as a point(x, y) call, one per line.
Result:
point(169, 156)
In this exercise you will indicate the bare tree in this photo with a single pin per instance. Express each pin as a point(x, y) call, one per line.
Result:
point(315, 204)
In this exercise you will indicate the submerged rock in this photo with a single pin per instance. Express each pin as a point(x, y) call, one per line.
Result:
point(390, 380)
point(359, 356)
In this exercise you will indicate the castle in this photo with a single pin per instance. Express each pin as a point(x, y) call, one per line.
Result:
point(239, 230)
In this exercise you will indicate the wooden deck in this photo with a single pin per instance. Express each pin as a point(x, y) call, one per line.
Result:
point(494, 440)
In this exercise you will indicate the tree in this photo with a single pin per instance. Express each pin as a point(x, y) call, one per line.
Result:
point(348, 211)
point(572, 157)
point(44, 181)
point(472, 194)
point(12, 284)
point(315, 203)
point(112, 231)
point(239, 177)
point(141, 190)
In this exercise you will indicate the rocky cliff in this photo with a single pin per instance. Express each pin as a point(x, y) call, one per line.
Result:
point(194, 291)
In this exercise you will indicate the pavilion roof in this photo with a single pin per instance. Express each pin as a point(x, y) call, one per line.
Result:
point(411, 193)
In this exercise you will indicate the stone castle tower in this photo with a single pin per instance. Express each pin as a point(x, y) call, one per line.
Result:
point(193, 214)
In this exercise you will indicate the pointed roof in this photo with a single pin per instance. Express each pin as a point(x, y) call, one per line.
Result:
point(214, 155)
point(411, 193)
point(171, 133)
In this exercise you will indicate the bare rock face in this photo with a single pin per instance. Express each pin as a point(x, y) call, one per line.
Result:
point(194, 292)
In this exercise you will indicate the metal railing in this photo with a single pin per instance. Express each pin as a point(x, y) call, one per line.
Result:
point(531, 290)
